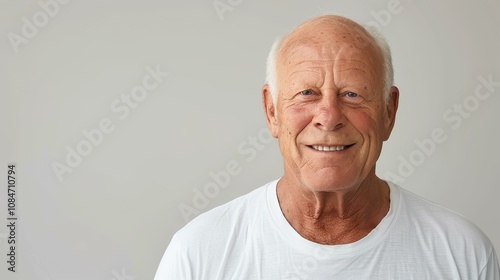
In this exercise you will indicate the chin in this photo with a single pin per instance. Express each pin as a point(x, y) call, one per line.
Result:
point(330, 181)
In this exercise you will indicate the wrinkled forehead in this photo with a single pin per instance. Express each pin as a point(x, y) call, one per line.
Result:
point(308, 54)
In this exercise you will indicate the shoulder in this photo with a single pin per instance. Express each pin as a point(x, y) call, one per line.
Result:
point(224, 219)
point(439, 225)
point(200, 247)
point(424, 210)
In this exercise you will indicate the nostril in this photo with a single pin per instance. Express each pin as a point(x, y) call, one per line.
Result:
point(329, 128)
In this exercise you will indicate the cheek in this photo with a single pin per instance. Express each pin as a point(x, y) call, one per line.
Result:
point(368, 124)
point(294, 120)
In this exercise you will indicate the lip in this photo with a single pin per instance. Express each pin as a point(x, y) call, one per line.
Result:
point(330, 148)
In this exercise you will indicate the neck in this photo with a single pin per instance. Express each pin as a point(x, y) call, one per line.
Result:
point(337, 217)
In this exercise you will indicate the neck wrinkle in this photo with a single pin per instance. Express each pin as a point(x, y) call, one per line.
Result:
point(335, 218)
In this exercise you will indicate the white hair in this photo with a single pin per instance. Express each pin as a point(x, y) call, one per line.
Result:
point(380, 43)
point(271, 68)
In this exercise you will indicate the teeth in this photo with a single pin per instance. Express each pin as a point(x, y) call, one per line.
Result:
point(328, 148)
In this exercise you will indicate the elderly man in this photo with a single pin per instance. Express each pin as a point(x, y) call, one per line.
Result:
point(330, 102)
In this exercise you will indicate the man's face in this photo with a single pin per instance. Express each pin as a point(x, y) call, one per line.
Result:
point(331, 117)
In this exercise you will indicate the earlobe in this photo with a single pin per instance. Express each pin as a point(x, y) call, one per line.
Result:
point(270, 111)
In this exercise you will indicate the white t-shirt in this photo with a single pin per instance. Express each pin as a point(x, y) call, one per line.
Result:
point(249, 238)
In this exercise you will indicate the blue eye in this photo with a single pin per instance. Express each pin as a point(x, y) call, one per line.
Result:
point(351, 94)
point(306, 92)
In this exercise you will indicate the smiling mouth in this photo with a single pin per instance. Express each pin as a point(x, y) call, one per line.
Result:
point(330, 148)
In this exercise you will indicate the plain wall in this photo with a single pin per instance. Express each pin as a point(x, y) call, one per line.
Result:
point(112, 213)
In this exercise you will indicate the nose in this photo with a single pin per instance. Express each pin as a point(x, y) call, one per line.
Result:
point(329, 114)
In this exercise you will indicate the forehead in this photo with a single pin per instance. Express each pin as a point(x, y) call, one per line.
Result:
point(330, 44)
point(310, 62)
point(317, 55)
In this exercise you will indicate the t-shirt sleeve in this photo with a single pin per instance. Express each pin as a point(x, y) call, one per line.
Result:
point(174, 263)
point(492, 270)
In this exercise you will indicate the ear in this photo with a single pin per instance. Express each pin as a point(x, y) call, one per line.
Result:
point(391, 109)
point(270, 110)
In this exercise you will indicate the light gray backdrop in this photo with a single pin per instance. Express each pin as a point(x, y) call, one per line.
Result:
point(114, 155)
